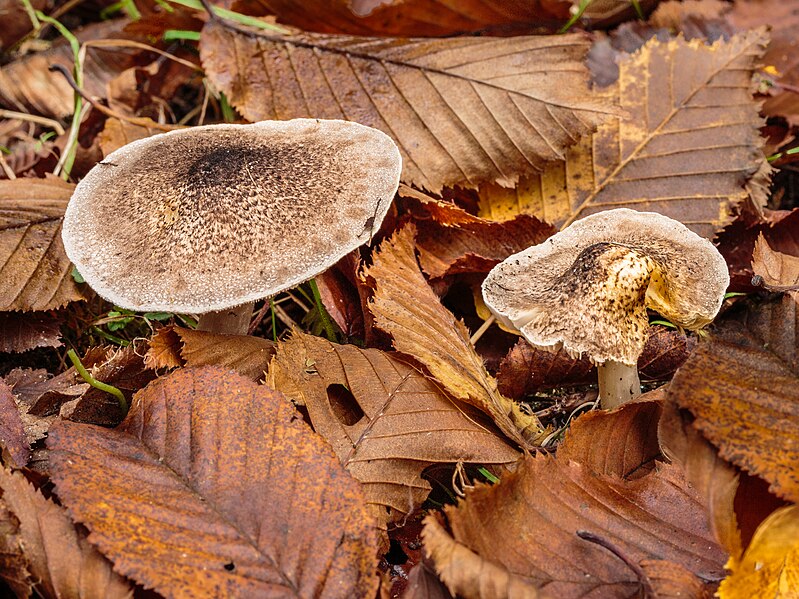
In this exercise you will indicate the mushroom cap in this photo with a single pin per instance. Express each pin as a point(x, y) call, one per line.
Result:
point(587, 288)
point(208, 218)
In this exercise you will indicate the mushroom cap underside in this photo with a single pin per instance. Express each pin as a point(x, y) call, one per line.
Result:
point(587, 288)
point(211, 217)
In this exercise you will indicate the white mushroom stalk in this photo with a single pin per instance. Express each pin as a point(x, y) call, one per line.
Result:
point(207, 220)
point(587, 290)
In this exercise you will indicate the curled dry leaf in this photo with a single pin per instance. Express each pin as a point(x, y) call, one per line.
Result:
point(35, 270)
point(59, 560)
point(527, 523)
point(417, 17)
point(174, 346)
point(686, 148)
point(463, 111)
point(13, 441)
point(525, 369)
point(452, 241)
point(780, 272)
point(189, 497)
point(385, 420)
point(770, 565)
point(21, 332)
point(746, 404)
point(715, 480)
point(405, 306)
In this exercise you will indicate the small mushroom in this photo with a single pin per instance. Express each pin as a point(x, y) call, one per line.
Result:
point(206, 220)
point(587, 290)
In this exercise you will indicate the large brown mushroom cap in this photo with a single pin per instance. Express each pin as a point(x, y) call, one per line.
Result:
point(212, 217)
point(587, 288)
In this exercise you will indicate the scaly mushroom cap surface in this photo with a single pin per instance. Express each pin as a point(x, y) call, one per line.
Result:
point(587, 288)
point(212, 217)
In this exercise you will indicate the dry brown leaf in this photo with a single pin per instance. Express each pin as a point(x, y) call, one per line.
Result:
point(677, 16)
point(13, 566)
point(341, 292)
point(27, 85)
point(622, 443)
point(175, 346)
point(405, 306)
point(780, 272)
point(118, 133)
point(687, 147)
point(36, 272)
point(214, 486)
point(713, 478)
point(61, 562)
point(770, 566)
point(385, 420)
point(463, 111)
point(673, 581)
point(783, 19)
point(16, 22)
point(604, 13)
point(526, 525)
point(416, 17)
point(746, 404)
point(20, 332)
point(13, 441)
point(423, 583)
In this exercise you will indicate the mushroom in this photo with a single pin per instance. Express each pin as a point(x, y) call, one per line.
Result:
point(207, 220)
point(587, 290)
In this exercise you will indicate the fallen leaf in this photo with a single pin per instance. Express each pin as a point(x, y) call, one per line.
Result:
point(213, 486)
point(452, 241)
point(715, 480)
point(36, 272)
point(424, 584)
point(673, 581)
point(770, 566)
point(16, 23)
point(21, 332)
point(604, 13)
point(13, 566)
point(340, 290)
point(13, 440)
point(175, 346)
point(416, 17)
point(526, 370)
point(680, 16)
point(746, 404)
point(405, 306)
point(524, 529)
point(688, 148)
point(118, 133)
point(782, 18)
point(779, 272)
point(463, 111)
point(60, 561)
point(386, 420)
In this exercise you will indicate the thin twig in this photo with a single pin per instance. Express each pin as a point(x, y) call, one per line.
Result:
point(483, 328)
point(7, 169)
point(40, 120)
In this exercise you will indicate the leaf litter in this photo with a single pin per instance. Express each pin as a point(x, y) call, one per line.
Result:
point(301, 459)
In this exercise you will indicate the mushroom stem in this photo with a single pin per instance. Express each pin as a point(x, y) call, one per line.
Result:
point(232, 321)
point(618, 383)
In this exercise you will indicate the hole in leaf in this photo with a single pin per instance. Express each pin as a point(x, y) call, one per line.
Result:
point(230, 566)
point(344, 404)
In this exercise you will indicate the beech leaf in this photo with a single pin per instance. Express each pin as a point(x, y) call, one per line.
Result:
point(35, 271)
point(12, 430)
point(214, 486)
point(405, 306)
point(688, 148)
point(60, 560)
point(746, 404)
point(780, 272)
point(21, 332)
point(385, 419)
point(463, 111)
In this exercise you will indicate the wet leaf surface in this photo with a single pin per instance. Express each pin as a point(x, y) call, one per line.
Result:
point(190, 473)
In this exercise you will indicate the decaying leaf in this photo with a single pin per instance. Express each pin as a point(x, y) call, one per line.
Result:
point(687, 148)
point(13, 566)
point(13, 441)
point(770, 566)
point(60, 561)
point(780, 272)
point(214, 486)
point(20, 332)
point(603, 13)
point(406, 307)
point(416, 17)
point(385, 419)
point(118, 133)
point(525, 528)
point(35, 271)
point(175, 346)
point(463, 111)
point(746, 404)
point(673, 581)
